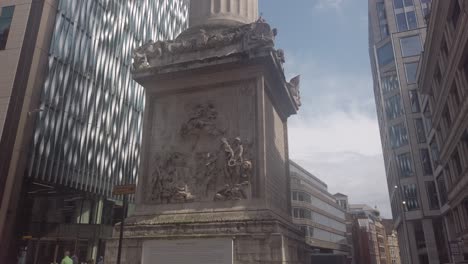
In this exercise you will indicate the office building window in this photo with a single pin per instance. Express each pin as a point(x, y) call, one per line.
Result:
point(302, 213)
point(455, 96)
point(382, 20)
point(428, 118)
point(405, 165)
point(385, 54)
point(426, 5)
point(390, 83)
point(393, 107)
point(442, 189)
point(419, 236)
point(405, 15)
point(426, 162)
point(435, 152)
point(457, 164)
point(412, 20)
point(398, 135)
point(294, 196)
point(6, 16)
point(455, 15)
point(411, 72)
point(401, 22)
point(432, 195)
point(411, 197)
point(397, 4)
point(411, 46)
point(446, 117)
point(418, 123)
point(304, 197)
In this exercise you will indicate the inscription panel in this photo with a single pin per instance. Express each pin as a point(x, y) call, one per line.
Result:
point(194, 251)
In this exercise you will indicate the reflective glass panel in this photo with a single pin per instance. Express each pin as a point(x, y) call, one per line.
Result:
point(401, 22)
point(411, 70)
point(411, 46)
point(414, 100)
point(426, 161)
point(405, 165)
point(6, 16)
point(385, 54)
point(412, 20)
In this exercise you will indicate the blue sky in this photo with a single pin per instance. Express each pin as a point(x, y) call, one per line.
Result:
point(335, 135)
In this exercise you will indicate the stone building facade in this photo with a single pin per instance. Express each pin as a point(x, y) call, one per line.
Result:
point(443, 82)
point(369, 235)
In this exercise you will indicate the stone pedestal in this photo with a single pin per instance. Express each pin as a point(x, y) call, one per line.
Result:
point(214, 175)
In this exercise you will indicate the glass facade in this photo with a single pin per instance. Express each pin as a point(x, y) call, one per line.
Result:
point(420, 132)
point(393, 107)
point(89, 123)
point(414, 100)
point(317, 203)
point(405, 15)
point(390, 83)
point(385, 54)
point(398, 135)
point(432, 195)
point(6, 16)
point(405, 164)
point(411, 197)
point(382, 20)
point(411, 72)
point(411, 46)
point(426, 162)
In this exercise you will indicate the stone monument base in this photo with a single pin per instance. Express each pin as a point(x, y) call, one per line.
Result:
point(215, 238)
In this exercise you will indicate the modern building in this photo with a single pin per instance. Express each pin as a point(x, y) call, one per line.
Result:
point(443, 83)
point(316, 211)
point(343, 201)
point(397, 30)
point(70, 118)
point(369, 235)
point(393, 249)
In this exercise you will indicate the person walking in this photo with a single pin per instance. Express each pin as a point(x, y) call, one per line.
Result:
point(67, 259)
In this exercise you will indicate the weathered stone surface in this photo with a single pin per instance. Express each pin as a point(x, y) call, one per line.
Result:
point(206, 12)
point(214, 152)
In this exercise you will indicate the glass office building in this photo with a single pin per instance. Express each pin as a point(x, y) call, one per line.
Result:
point(84, 122)
point(397, 31)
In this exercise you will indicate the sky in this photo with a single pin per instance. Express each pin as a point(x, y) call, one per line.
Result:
point(335, 135)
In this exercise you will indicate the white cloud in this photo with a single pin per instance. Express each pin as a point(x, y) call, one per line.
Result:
point(335, 132)
point(336, 135)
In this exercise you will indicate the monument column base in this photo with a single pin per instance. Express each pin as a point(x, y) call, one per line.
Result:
point(148, 240)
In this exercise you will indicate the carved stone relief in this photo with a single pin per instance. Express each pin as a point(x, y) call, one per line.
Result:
point(254, 36)
point(294, 89)
point(221, 172)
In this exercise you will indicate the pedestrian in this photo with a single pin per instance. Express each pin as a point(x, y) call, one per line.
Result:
point(67, 259)
point(101, 260)
point(75, 259)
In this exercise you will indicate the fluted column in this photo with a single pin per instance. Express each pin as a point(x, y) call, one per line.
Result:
point(211, 12)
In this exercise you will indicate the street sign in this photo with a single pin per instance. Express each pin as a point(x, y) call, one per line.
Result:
point(124, 189)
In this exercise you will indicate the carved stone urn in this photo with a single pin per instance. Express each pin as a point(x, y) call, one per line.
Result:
point(214, 178)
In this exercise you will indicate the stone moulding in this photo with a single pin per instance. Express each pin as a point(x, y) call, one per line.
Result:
point(216, 42)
